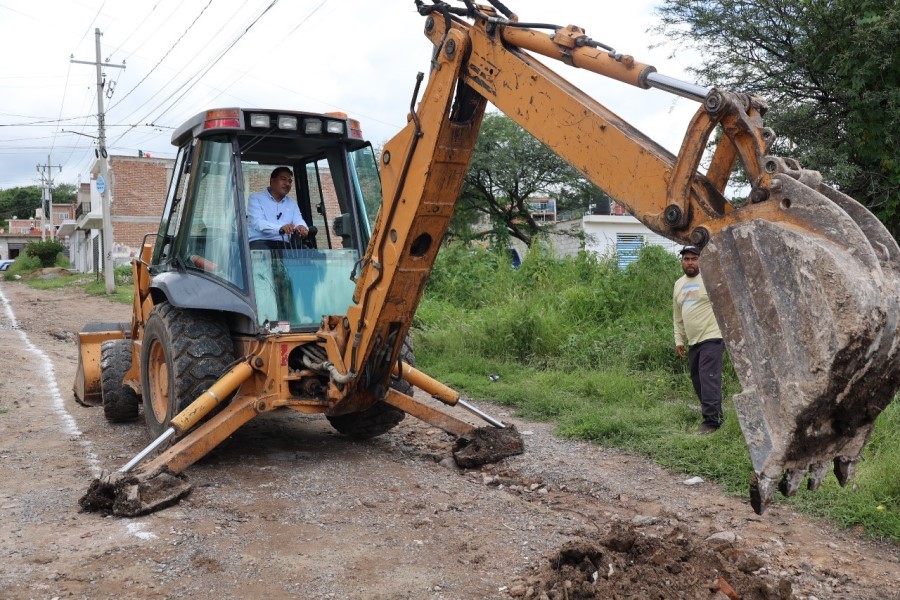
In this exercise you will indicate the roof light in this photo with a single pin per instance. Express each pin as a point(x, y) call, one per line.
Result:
point(334, 126)
point(223, 117)
point(259, 120)
point(356, 129)
point(311, 126)
point(287, 122)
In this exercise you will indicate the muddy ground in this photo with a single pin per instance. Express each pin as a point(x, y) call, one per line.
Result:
point(287, 508)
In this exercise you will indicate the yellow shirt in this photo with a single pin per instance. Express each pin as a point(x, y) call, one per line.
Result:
point(692, 312)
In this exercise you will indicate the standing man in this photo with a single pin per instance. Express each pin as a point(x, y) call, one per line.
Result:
point(274, 216)
point(696, 328)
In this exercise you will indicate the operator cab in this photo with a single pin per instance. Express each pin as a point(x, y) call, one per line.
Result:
point(202, 257)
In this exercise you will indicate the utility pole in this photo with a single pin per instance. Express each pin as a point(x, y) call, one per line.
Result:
point(46, 173)
point(103, 179)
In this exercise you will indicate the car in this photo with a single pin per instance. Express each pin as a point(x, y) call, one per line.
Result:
point(5, 263)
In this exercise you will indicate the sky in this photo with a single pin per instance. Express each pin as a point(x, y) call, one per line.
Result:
point(181, 58)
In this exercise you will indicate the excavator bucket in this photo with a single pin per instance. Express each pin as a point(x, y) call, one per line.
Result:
point(808, 305)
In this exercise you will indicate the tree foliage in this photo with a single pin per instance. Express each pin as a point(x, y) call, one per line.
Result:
point(509, 168)
point(45, 251)
point(19, 202)
point(830, 72)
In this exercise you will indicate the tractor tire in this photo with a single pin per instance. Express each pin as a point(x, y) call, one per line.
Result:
point(379, 418)
point(120, 403)
point(376, 420)
point(183, 353)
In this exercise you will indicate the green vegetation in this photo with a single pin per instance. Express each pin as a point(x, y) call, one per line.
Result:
point(509, 169)
point(92, 283)
point(46, 251)
point(589, 347)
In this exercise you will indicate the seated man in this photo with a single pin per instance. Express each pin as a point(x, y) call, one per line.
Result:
point(273, 216)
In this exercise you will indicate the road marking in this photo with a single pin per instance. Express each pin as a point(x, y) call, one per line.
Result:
point(137, 530)
point(69, 424)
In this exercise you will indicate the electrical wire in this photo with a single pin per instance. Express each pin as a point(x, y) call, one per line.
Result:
point(142, 21)
point(162, 90)
point(94, 20)
point(198, 75)
point(283, 39)
point(169, 51)
point(62, 103)
point(221, 56)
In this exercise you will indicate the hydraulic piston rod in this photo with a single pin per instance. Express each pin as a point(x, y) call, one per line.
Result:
point(691, 91)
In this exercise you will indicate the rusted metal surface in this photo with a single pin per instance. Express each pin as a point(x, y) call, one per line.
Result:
point(808, 305)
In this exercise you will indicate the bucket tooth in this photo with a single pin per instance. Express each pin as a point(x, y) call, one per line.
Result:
point(791, 481)
point(844, 469)
point(817, 473)
point(762, 490)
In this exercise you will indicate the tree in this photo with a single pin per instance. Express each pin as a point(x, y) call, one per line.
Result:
point(19, 202)
point(509, 168)
point(64, 193)
point(830, 72)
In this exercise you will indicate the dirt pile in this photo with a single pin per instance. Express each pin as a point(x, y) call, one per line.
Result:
point(626, 563)
point(486, 445)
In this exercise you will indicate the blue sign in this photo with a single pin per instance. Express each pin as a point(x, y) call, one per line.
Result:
point(101, 185)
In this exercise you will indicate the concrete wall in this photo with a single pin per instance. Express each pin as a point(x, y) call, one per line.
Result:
point(601, 233)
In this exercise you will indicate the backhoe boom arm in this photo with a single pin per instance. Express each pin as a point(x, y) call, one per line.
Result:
point(779, 269)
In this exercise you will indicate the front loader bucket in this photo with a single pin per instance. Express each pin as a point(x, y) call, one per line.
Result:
point(808, 302)
point(87, 376)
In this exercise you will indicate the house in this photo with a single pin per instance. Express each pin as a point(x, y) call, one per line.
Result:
point(22, 232)
point(622, 235)
point(137, 190)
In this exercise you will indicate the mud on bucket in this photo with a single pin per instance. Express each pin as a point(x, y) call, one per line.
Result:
point(807, 300)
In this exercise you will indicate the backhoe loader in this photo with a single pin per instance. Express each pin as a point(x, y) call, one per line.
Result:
point(803, 279)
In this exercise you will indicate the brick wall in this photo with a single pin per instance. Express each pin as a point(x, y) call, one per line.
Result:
point(138, 198)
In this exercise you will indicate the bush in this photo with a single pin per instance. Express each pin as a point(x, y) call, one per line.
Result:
point(589, 346)
point(45, 251)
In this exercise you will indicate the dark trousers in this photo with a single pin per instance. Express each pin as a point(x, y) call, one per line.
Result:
point(706, 373)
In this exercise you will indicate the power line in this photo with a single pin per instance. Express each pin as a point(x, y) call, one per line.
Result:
point(169, 51)
point(221, 56)
point(200, 74)
point(62, 102)
point(144, 20)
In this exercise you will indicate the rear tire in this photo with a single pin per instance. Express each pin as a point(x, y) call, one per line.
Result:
point(379, 418)
point(120, 402)
point(183, 353)
point(376, 420)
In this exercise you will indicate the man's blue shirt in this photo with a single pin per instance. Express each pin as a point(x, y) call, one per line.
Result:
point(266, 215)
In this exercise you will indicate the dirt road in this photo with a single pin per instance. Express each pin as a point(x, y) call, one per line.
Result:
point(287, 508)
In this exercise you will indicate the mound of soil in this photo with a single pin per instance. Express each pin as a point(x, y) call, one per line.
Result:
point(626, 563)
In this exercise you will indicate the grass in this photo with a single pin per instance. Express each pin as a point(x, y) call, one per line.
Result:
point(584, 345)
point(93, 284)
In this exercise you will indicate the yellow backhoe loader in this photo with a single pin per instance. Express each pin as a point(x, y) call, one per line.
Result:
point(803, 279)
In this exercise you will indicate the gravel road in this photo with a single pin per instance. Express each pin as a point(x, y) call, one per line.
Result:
point(287, 508)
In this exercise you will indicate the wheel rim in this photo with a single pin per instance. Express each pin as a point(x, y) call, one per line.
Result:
point(158, 371)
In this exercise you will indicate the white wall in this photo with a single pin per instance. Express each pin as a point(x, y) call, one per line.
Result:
point(600, 233)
